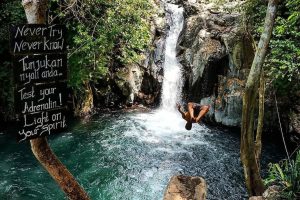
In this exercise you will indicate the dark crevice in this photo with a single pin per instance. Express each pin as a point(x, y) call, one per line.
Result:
point(207, 85)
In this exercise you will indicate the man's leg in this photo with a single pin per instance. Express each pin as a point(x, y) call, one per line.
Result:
point(191, 109)
point(203, 111)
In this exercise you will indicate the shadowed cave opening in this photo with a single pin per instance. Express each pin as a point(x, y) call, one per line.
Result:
point(207, 85)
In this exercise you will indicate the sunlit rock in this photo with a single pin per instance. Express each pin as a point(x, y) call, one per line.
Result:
point(256, 198)
point(272, 193)
point(186, 188)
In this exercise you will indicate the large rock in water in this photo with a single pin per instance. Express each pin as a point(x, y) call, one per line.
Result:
point(186, 188)
point(216, 55)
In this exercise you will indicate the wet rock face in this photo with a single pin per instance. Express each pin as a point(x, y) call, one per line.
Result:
point(216, 56)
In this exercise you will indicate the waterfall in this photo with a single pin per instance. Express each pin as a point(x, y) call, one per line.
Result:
point(172, 83)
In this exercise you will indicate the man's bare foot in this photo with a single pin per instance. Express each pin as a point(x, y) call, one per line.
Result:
point(178, 106)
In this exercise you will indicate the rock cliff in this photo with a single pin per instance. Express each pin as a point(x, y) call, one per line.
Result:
point(216, 55)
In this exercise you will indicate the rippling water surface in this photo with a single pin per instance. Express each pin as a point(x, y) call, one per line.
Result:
point(128, 157)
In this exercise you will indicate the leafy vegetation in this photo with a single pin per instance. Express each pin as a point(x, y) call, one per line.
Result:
point(11, 12)
point(283, 61)
point(104, 35)
point(282, 68)
point(287, 175)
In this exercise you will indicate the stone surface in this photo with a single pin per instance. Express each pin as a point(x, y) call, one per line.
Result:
point(272, 193)
point(216, 55)
point(256, 198)
point(186, 188)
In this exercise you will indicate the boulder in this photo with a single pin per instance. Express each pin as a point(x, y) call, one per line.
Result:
point(272, 193)
point(186, 188)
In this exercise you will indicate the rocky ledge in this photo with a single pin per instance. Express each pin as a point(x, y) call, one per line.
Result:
point(186, 188)
point(216, 55)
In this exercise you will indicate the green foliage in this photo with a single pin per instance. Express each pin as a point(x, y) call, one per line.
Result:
point(11, 12)
point(294, 7)
point(104, 35)
point(286, 175)
point(283, 61)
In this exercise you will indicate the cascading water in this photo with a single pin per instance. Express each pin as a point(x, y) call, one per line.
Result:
point(132, 156)
point(172, 84)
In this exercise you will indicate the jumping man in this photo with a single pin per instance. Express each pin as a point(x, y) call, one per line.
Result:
point(194, 115)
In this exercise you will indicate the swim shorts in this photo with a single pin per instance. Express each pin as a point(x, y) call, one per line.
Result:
point(197, 108)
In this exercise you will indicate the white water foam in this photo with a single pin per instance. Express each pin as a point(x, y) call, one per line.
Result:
point(166, 123)
point(172, 84)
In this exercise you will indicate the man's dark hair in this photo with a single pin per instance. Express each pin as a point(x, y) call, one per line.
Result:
point(188, 126)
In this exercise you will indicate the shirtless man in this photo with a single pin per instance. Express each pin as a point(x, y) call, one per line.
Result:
point(194, 115)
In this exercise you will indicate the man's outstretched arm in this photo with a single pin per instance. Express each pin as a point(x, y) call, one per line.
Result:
point(203, 111)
